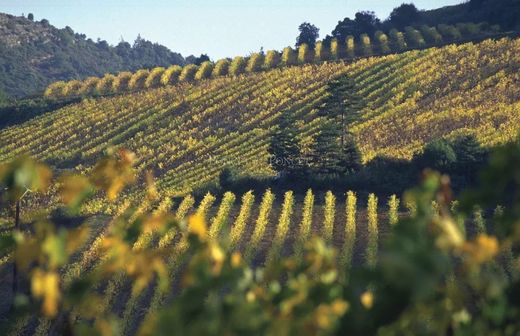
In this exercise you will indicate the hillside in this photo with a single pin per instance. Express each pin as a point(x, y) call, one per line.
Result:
point(35, 53)
point(187, 133)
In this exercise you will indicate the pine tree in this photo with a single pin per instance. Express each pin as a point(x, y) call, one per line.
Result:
point(326, 150)
point(350, 156)
point(343, 105)
point(284, 147)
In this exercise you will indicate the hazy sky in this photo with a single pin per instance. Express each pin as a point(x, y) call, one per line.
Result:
point(221, 28)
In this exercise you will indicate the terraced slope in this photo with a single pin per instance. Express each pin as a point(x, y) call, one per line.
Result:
point(187, 133)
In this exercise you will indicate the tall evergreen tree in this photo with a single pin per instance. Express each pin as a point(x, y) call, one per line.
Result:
point(350, 156)
point(344, 104)
point(285, 148)
point(326, 150)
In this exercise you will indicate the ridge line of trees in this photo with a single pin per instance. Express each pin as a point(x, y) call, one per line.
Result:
point(367, 45)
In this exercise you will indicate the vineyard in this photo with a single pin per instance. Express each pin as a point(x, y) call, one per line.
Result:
point(263, 228)
point(350, 49)
point(185, 134)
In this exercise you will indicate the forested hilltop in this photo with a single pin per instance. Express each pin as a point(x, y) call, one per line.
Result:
point(35, 53)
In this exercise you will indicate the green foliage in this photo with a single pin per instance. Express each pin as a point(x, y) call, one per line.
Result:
point(105, 85)
point(284, 147)
point(366, 45)
point(138, 80)
point(309, 33)
point(272, 59)
point(320, 53)
point(42, 54)
point(335, 49)
point(382, 40)
point(288, 57)
point(255, 63)
point(122, 81)
point(350, 47)
point(449, 33)
point(431, 35)
point(304, 54)
point(238, 66)
point(397, 40)
point(373, 231)
point(154, 78)
point(221, 68)
point(414, 38)
point(171, 75)
point(438, 155)
point(423, 262)
point(188, 73)
point(326, 149)
point(205, 70)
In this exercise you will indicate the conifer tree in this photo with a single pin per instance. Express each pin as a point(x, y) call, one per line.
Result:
point(343, 105)
point(326, 150)
point(284, 147)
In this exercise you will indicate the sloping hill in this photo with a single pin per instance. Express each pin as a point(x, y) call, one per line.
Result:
point(35, 53)
point(187, 133)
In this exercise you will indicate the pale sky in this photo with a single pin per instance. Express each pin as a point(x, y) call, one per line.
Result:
point(220, 28)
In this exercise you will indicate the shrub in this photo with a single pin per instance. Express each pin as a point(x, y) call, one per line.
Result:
point(121, 82)
point(320, 54)
point(154, 78)
point(188, 73)
point(138, 80)
point(221, 68)
point(431, 35)
point(54, 90)
point(304, 54)
point(238, 66)
point(171, 75)
point(72, 88)
point(334, 49)
point(205, 70)
point(397, 40)
point(382, 40)
point(89, 86)
point(106, 85)
point(272, 59)
point(350, 47)
point(288, 57)
point(414, 37)
point(449, 33)
point(437, 155)
point(255, 63)
point(365, 45)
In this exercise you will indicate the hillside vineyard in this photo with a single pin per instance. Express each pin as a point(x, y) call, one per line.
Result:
point(291, 222)
point(187, 133)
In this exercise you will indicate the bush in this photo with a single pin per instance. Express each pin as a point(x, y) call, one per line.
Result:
point(438, 155)
point(238, 66)
point(304, 54)
point(205, 71)
point(106, 85)
point(221, 68)
point(188, 73)
point(431, 35)
point(414, 37)
point(382, 40)
point(449, 33)
point(365, 45)
point(288, 57)
point(397, 41)
point(171, 75)
point(255, 63)
point(138, 80)
point(121, 82)
point(154, 78)
point(272, 59)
